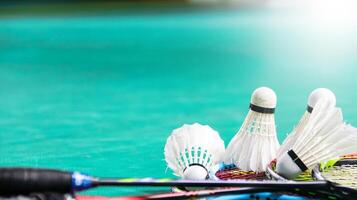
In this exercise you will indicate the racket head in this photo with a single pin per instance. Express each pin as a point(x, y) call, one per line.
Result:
point(231, 172)
point(341, 171)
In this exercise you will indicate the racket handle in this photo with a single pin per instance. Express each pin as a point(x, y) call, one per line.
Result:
point(14, 181)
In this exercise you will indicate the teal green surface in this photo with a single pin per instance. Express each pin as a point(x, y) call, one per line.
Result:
point(101, 93)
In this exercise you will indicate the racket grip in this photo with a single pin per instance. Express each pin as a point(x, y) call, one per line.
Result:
point(14, 181)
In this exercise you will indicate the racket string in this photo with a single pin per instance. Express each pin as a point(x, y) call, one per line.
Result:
point(236, 173)
point(345, 175)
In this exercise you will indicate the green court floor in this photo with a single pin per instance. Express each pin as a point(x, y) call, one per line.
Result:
point(100, 92)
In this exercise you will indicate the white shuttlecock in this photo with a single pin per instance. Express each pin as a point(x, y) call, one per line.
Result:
point(324, 137)
point(192, 150)
point(314, 96)
point(256, 143)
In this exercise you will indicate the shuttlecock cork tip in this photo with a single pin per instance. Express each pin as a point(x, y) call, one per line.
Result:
point(264, 97)
point(195, 172)
point(289, 165)
point(321, 93)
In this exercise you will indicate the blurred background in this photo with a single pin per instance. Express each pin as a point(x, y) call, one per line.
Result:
point(98, 86)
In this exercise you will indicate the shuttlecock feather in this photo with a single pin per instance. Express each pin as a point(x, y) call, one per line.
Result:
point(314, 96)
point(324, 137)
point(256, 143)
point(191, 151)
